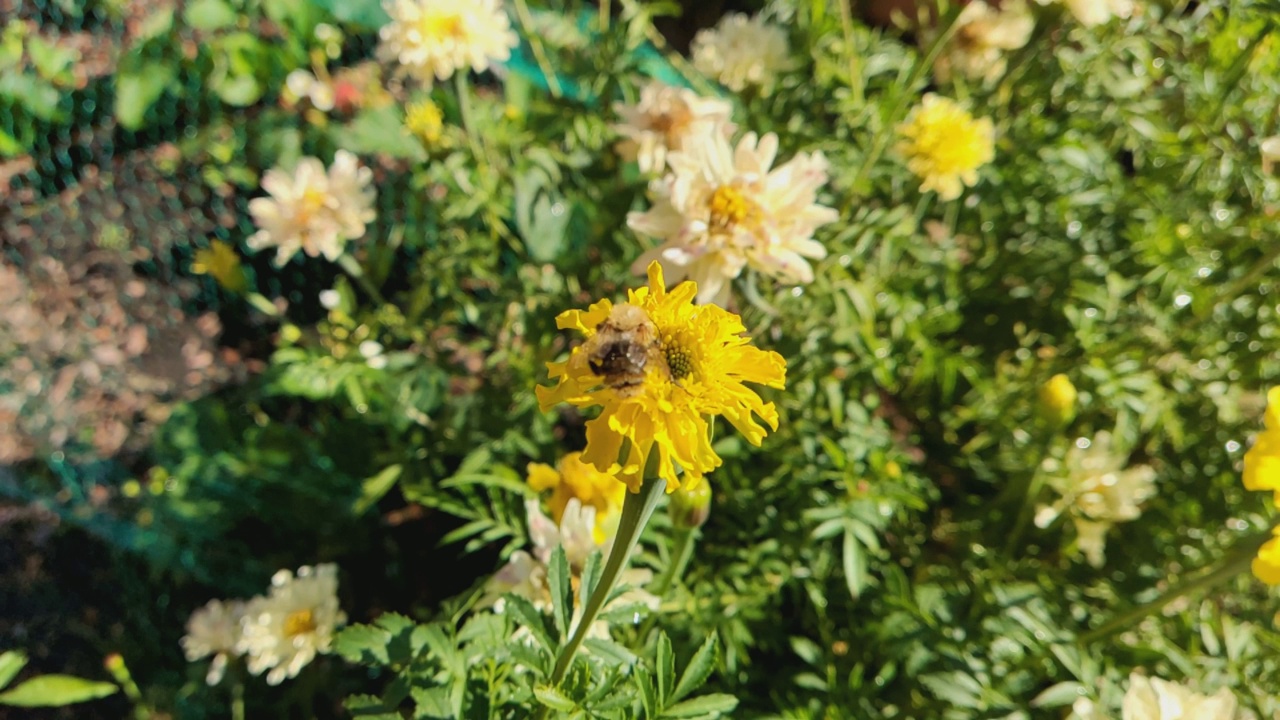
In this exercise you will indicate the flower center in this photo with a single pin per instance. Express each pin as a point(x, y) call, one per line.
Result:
point(312, 201)
point(730, 208)
point(299, 622)
point(440, 25)
point(679, 360)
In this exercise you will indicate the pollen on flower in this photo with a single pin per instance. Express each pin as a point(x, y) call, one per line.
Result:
point(299, 623)
point(730, 208)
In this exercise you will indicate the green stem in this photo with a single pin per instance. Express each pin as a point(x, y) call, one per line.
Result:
point(352, 268)
point(539, 54)
point(636, 510)
point(463, 90)
point(855, 71)
point(889, 127)
point(237, 694)
point(606, 13)
point(681, 552)
point(1232, 564)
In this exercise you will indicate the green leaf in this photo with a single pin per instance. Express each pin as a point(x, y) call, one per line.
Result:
point(609, 651)
point(209, 15)
point(9, 145)
point(855, 564)
point(648, 693)
point(55, 691)
point(378, 131)
point(558, 576)
point(699, 668)
point(706, 705)
point(432, 703)
point(373, 488)
point(362, 644)
point(553, 698)
point(138, 88)
point(368, 707)
point(1058, 695)
point(156, 24)
point(51, 61)
point(664, 668)
point(364, 14)
point(11, 663)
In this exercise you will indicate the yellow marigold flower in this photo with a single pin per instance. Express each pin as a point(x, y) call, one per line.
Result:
point(944, 145)
point(661, 368)
point(1267, 565)
point(424, 121)
point(220, 262)
point(576, 479)
point(1262, 461)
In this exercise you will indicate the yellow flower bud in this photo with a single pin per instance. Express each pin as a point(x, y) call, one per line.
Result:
point(691, 505)
point(1058, 399)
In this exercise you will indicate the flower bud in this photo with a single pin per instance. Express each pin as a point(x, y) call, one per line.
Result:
point(1058, 400)
point(691, 506)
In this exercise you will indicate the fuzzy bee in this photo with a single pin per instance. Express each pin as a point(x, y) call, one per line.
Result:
point(624, 348)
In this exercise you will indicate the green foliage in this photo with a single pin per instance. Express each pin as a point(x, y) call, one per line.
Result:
point(46, 690)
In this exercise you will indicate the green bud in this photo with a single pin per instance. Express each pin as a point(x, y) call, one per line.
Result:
point(690, 507)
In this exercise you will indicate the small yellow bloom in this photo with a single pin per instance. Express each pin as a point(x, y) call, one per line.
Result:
point(661, 368)
point(944, 145)
point(576, 479)
point(1058, 399)
point(220, 262)
point(1262, 461)
point(1267, 565)
point(424, 121)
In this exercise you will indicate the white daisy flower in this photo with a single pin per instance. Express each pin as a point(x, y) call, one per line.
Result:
point(311, 210)
point(742, 51)
point(433, 39)
point(659, 123)
point(286, 629)
point(214, 630)
point(722, 208)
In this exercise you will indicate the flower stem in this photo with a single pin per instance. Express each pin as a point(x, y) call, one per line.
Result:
point(636, 510)
point(352, 268)
point(1232, 564)
point(237, 695)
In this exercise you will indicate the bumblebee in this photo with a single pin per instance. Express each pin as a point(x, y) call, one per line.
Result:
point(623, 350)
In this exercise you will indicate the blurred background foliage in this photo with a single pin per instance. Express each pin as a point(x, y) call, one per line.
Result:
point(875, 559)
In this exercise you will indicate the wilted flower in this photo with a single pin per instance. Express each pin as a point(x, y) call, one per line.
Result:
point(1156, 699)
point(722, 208)
point(433, 39)
point(573, 479)
point(1098, 492)
point(220, 262)
point(661, 368)
point(313, 211)
point(983, 34)
point(525, 574)
point(742, 51)
point(944, 146)
point(659, 123)
point(214, 630)
point(286, 629)
point(424, 121)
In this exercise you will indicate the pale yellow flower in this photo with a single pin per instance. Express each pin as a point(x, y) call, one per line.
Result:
point(1097, 492)
point(984, 33)
point(742, 51)
point(721, 209)
point(944, 146)
point(1156, 699)
point(574, 479)
point(285, 630)
point(311, 210)
point(424, 120)
point(214, 630)
point(433, 39)
point(658, 124)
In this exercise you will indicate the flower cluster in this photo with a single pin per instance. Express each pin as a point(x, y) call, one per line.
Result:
point(1097, 492)
point(311, 210)
point(660, 367)
point(279, 633)
point(1262, 472)
point(944, 146)
point(581, 497)
point(742, 51)
point(433, 39)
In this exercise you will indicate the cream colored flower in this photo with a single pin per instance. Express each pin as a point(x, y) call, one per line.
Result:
point(1096, 12)
point(433, 39)
point(286, 629)
point(983, 34)
point(1270, 150)
point(1097, 492)
point(742, 51)
point(312, 210)
point(525, 574)
point(659, 123)
point(722, 208)
point(214, 630)
point(1156, 699)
